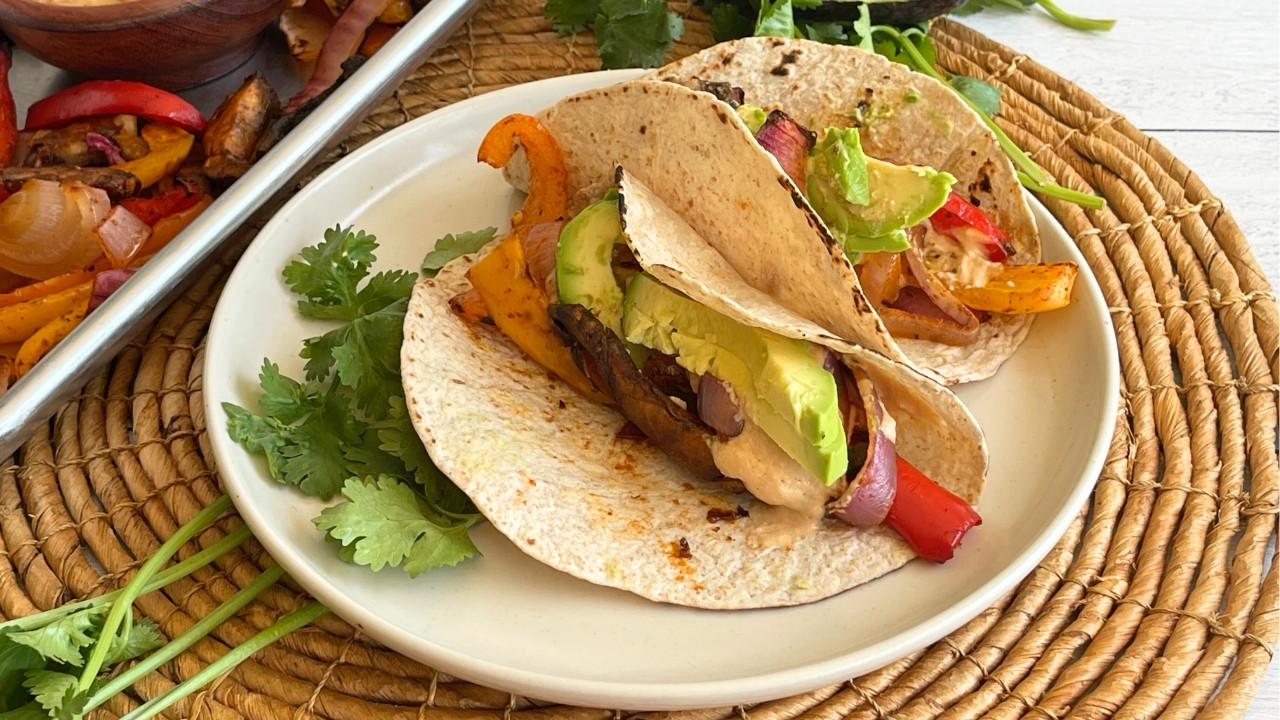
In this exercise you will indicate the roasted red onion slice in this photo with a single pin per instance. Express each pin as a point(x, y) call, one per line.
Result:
point(788, 141)
point(107, 282)
point(343, 41)
point(540, 254)
point(106, 146)
point(870, 493)
point(930, 313)
point(716, 406)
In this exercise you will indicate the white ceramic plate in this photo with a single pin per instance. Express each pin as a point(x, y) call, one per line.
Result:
point(506, 621)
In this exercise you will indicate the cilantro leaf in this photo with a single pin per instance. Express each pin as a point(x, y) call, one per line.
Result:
point(828, 32)
point(387, 524)
point(366, 353)
point(776, 19)
point(728, 22)
point(56, 692)
point(284, 398)
point(571, 16)
point(635, 33)
point(15, 660)
point(981, 93)
point(143, 637)
point(62, 640)
point(328, 273)
point(453, 246)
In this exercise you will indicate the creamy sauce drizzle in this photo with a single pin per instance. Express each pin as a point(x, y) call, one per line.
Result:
point(959, 263)
point(797, 500)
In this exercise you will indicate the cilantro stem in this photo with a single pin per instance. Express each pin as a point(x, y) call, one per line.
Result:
point(1031, 175)
point(123, 604)
point(193, 634)
point(177, 572)
point(1074, 21)
point(230, 660)
point(1088, 200)
point(1015, 153)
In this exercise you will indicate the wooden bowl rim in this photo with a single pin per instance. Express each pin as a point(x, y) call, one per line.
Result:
point(47, 16)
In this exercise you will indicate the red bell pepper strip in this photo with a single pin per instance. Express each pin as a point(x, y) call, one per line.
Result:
point(151, 209)
point(958, 212)
point(113, 97)
point(8, 112)
point(930, 517)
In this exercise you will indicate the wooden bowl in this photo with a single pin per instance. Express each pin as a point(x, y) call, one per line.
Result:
point(171, 44)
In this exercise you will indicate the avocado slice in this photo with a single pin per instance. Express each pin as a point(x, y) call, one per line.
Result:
point(584, 255)
point(779, 383)
point(868, 202)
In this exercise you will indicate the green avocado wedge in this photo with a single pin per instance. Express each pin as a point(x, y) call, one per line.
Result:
point(779, 383)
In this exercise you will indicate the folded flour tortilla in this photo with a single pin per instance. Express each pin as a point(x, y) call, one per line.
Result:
point(549, 470)
point(903, 116)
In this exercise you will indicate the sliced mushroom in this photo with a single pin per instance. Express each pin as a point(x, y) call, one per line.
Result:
point(674, 429)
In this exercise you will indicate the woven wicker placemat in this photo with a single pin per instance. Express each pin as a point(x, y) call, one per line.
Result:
point(1159, 600)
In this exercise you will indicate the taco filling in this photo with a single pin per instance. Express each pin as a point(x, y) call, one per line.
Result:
point(931, 262)
point(804, 428)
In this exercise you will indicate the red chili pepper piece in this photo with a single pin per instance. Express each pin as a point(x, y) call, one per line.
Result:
point(151, 209)
point(930, 517)
point(958, 212)
point(8, 111)
point(113, 97)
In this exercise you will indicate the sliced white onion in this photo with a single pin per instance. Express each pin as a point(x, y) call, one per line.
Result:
point(46, 228)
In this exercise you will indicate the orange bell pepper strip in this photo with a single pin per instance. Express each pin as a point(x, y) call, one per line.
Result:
point(519, 308)
point(169, 147)
point(55, 284)
point(19, 322)
point(548, 180)
point(44, 339)
point(1020, 289)
point(517, 305)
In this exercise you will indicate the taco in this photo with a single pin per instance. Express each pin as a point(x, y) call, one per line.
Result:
point(731, 392)
point(909, 181)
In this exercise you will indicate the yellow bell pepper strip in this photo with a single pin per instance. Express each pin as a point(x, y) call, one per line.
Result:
point(519, 309)
point(19, 322)
point(44, 339)
point(167, 228)
point(1019, 289)
point(55, 284)
point(169, 147)
point(548, 180)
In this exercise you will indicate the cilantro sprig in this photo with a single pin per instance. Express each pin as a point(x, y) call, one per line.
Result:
point(629, 33)
point(1072, 21)
point(62, 663)
point(344, 430)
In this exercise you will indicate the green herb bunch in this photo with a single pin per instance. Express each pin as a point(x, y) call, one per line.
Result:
point(345, 429)
point(62, 663)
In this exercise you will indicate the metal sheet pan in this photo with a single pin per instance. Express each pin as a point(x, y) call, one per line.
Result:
point(61, 374)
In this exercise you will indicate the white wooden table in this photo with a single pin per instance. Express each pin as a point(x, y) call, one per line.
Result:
point(1204, 80)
